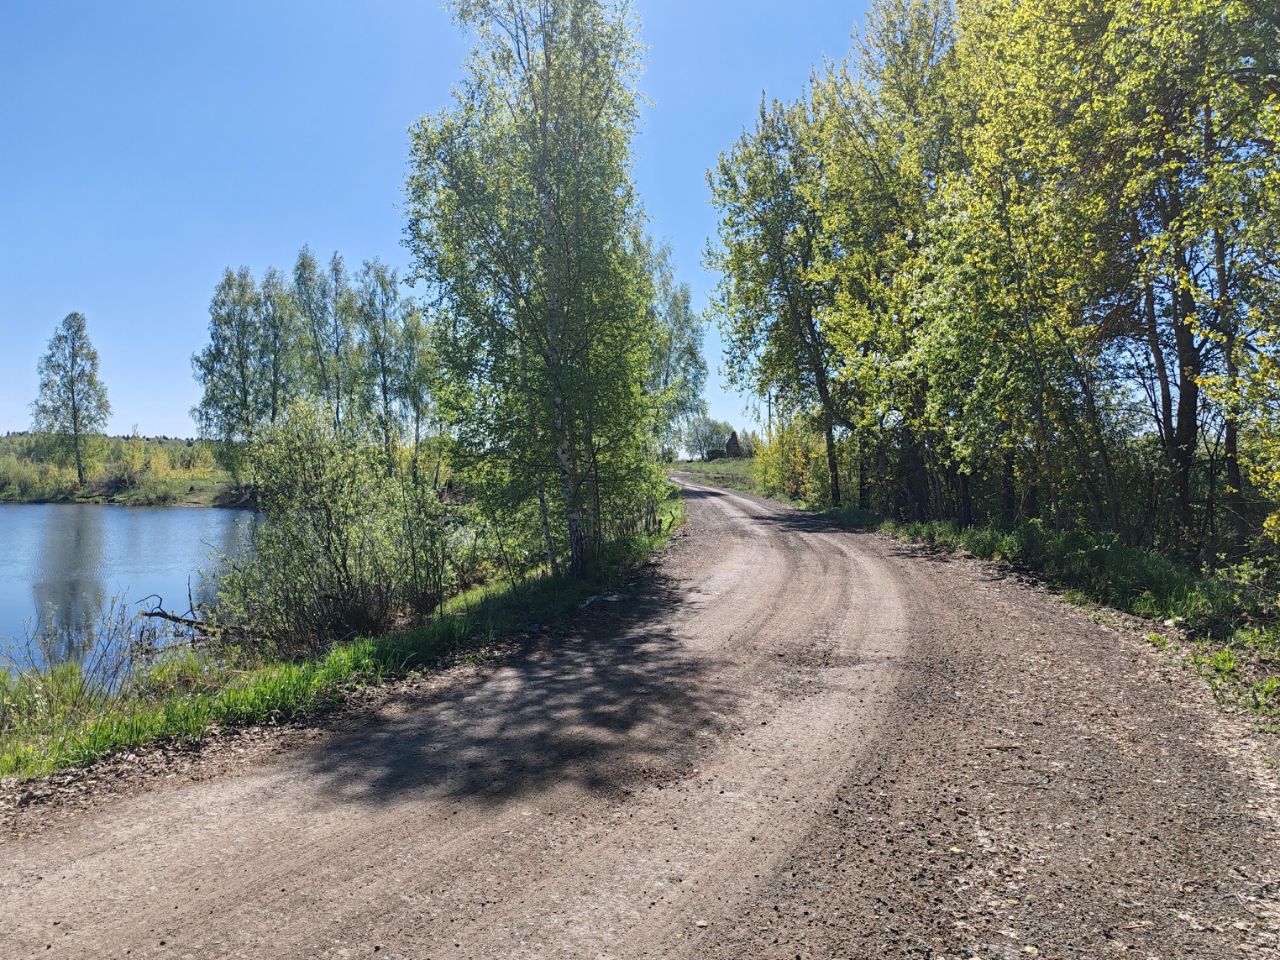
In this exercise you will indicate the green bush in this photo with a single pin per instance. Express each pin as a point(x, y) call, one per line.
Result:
point(18, 479)
point(344, 547)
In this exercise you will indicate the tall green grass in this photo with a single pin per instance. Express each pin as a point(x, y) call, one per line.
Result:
point(56, 719)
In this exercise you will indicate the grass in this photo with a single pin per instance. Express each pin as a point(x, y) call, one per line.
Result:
point(62, 717)
point(1095, 568)
point(737, 474)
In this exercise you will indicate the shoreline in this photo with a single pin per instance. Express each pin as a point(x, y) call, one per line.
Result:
point(220, 499)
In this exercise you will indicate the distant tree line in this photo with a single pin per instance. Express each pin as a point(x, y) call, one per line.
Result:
point(352, 345)
point(1020, 260)
point(705, 438)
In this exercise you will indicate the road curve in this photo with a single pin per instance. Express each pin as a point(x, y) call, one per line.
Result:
point(786, 740)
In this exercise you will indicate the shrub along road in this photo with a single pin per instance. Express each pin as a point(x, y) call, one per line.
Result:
point(786, 740)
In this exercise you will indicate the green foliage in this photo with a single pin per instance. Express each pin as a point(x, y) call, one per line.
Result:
point(345, 546)
point(792, 465)
point(363, 354)
point(251, 367)
point(1098, 565)
point(21, 479)
point(770, 304)
point(72, 407)
point(701, 436)
point(231, 369)
point(522, 217)
point(327, 306)
point(1018, 260)
point(131, 470)
point(385, 365)
point(1264, 696)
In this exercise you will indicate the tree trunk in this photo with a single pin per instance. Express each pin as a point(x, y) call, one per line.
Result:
point(964, 493)
point(1235, 491)
point(417, 444)
point(573, 516)
point(818, 363)
point(1236, 520)
point(833, 465)
point(569, 488)
point(553, 563)
point(1008, 490)
point(1186, 429)
point(77, 432)
point(913, 501)
point(864, 491)
point(1165, 419)
point(1100, 446)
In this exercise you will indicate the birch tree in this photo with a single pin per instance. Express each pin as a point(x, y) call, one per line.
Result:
point(72, 404)
point(380, 330)
point(524, 221)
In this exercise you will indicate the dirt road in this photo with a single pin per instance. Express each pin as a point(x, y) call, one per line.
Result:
point(786, 741)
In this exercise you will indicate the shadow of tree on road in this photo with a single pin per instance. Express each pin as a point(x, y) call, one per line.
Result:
point(613, 694)
point(688, 493)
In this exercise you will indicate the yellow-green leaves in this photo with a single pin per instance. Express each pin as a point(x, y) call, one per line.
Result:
point(1042, 257)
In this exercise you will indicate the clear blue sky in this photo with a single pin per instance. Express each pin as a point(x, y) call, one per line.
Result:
point(148, 145)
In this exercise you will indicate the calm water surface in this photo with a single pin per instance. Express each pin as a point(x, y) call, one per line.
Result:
point(62, 565)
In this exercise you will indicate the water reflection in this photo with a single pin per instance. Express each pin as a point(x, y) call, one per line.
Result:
point(66, 569)
point(70, 594)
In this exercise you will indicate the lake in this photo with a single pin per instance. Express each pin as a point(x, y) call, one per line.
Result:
point(63, 565)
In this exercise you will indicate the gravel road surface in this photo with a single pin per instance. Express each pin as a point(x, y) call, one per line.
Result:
point(783, 741)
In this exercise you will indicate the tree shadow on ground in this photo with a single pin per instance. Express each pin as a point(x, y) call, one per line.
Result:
point(688, 493)
point(610, 693)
